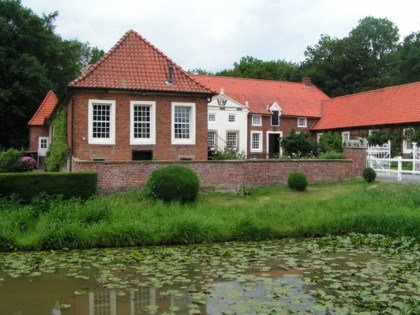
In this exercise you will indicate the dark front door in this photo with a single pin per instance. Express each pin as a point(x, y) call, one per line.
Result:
point(273, 145)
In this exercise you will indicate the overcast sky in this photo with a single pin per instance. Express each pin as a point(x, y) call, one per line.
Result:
point(213, 34)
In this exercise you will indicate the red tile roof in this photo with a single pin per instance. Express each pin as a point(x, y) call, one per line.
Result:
point(295, 99)
point(45, 109)
point(135, 64)
point(392, 105)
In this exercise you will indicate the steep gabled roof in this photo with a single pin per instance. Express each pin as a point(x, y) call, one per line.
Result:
point(135, 64)
point(393, 105)
point(295, 99)
point(44, 110)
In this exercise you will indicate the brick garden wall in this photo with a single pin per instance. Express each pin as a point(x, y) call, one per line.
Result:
point(228, 176)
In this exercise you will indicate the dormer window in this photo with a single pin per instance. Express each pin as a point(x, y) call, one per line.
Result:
point(275, 116)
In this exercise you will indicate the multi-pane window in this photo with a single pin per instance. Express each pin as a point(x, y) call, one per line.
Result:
point(301, 122)
point(141, 117)
point(345, 136)
point(212, 117)
point(256, 120)
point(255, 141)
point(211, 136)
point(232, 117)
point(43, 143)
point(232, 140)
point(142, 129)
point(101, 122)
point(183, 123)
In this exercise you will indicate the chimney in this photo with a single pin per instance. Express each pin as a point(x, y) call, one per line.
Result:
point(170, 80)
point(306, 81)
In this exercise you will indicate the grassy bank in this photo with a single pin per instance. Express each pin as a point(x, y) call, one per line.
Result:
point(276, 212)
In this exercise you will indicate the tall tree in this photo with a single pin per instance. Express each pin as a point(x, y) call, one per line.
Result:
point(364, 60)
point(409, 58)
point(33, 60)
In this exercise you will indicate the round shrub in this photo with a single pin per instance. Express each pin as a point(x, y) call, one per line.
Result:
point(173, 183)
point(297, 181)
point(369, 174)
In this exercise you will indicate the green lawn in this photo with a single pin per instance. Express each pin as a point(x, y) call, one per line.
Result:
point(129, 219)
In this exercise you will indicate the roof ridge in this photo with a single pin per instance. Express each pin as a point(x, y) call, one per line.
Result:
point(247, 79)
point(373, 91)
point(50, 93)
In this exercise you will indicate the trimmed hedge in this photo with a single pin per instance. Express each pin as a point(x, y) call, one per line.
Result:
point(297, 181)
point(369, 174)
point(28, 185)
point(173, 183)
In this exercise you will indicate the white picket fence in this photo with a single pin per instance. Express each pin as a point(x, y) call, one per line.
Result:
point(379, 158)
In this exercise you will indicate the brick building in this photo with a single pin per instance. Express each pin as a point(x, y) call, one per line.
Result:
point(39, 129)
point(273, 109)
point(136, 104)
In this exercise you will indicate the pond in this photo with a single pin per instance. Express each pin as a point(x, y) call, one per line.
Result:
point(354, 274)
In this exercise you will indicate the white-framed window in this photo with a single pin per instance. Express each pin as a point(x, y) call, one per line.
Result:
point(183, 123)
point(408, 142)
point(256, 120)
point(318, 136)
point(302, 122)
point(211, 139)
point(101, 122)
point(232, 118)
point(256, 141)
point(232, 139)
point(142, 122)
point(345, 136)
point(212, 117)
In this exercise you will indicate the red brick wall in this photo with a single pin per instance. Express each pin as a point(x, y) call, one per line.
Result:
point(122, 150)
point(235, 175)
point(34, 133)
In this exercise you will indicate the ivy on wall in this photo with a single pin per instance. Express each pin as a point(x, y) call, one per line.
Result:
point(58, 149)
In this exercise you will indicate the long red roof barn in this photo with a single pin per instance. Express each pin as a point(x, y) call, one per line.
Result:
point(388, 106)
point(295, 99)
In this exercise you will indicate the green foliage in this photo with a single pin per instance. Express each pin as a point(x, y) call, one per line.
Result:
point(9, 160)
point(377, 137)
point(331, 155)
point(228, 154)
point(364, 60)
point(29, 185)
point(331, 141)
point(34, 60)
point(409, 55)
point(369, 174)
point(297, 145)
point(173, 183)
point(129, 219)
point(250, 67)
point(297, 181)
point(58, 150)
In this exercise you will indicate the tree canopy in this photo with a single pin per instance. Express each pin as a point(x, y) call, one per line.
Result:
point(33, 60)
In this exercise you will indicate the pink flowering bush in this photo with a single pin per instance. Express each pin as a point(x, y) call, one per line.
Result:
point(27, 164)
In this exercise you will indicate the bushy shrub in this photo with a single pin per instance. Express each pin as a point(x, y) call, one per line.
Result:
point(9, 160)
point(228, 154)
point(26, 164)
point(58, 150)
point(297, 181)
point(173, 183)
point(369, 174)
point(29, 185)
point(329, 142)
point(331, 155)
point(297, 144)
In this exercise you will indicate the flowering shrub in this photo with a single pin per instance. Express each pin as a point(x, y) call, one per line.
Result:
point(27, 164)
